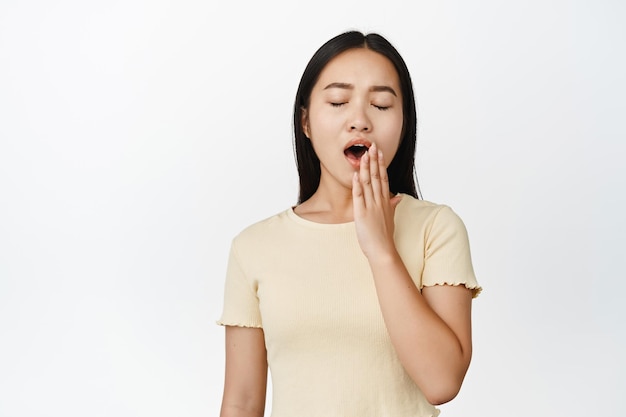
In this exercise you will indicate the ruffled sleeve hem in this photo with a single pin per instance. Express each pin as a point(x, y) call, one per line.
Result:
point(475, 288)
point(238, 324)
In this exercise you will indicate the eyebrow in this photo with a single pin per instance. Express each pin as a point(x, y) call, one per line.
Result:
point(374, 88)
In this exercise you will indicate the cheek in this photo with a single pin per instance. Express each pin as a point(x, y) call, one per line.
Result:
point(322, 124)
point(393, 135)
point(318, 134)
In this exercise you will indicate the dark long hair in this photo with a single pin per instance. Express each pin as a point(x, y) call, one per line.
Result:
point(401, 171)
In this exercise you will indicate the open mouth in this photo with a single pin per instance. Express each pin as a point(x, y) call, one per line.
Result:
point(356, 151)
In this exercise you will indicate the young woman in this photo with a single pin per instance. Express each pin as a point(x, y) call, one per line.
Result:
point(358, 298)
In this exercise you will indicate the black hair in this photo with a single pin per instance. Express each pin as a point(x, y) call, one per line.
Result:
point(401, 170)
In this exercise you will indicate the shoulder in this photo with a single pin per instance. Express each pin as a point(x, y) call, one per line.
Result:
point(428, 219)
point(412, 209)
point(263, 231)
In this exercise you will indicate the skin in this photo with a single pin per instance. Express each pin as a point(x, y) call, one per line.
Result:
point(245, 380)
point(430, 329)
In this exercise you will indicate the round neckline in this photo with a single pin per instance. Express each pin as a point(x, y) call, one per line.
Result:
point(310, 223)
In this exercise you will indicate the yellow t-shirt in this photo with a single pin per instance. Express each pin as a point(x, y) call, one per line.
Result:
point(310, 288)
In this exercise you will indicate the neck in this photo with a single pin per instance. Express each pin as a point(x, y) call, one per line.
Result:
point(331, 203)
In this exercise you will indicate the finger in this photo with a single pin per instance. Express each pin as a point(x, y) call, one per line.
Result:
point(375, 173)
point(357, 194)
point(384, 176)
point(365, 179)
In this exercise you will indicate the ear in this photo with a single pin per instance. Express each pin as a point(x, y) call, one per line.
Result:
point(304, 120)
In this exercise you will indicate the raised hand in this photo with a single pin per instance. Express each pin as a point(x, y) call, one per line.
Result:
point(374, 207)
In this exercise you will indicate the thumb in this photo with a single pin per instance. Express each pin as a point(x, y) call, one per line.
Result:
point(395, 200)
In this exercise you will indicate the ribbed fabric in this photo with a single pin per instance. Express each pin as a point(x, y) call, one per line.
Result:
point(310, 288)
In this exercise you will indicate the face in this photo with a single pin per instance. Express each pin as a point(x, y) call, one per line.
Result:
point(356, 101)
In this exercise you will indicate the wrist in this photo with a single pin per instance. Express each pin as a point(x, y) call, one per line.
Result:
point(384, 258)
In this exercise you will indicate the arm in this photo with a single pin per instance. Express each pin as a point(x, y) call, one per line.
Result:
point(245, 379)
point(430, 330)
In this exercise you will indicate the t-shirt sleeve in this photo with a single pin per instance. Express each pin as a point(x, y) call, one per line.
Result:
point(241, 304)
point(447, 259)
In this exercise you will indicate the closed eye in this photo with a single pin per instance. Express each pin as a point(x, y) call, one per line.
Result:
point(383, 108)
point(337, 104)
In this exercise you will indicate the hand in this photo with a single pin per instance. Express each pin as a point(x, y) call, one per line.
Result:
point(373, 205)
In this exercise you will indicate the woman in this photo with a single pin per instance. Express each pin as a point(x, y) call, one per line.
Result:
point(358, 298)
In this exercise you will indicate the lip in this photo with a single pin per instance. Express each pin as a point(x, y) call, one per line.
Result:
point(358, 141)
point(355, 162)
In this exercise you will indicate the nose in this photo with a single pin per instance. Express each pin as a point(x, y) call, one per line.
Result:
point(359, 128)
point(359, 121)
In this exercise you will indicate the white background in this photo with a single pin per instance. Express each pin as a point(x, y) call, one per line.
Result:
point(138, 137)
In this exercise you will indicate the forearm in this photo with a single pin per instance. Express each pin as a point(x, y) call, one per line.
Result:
point(428, 348)
point(245, 380)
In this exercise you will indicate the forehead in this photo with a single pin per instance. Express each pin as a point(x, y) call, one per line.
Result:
point(360, 67)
